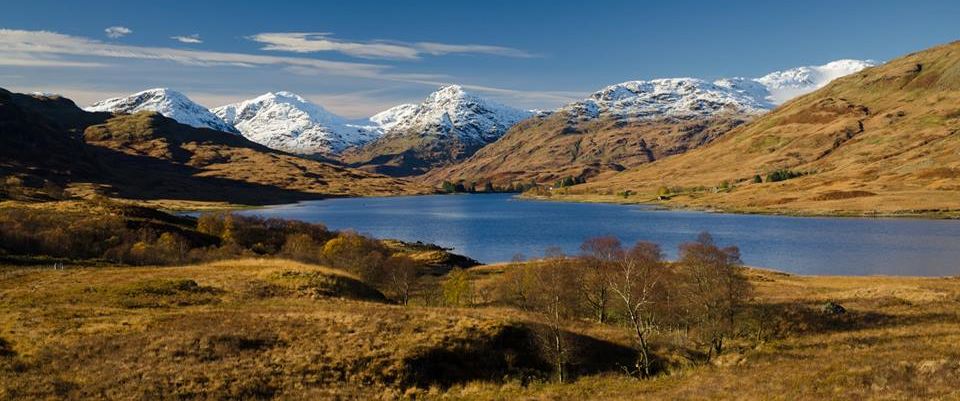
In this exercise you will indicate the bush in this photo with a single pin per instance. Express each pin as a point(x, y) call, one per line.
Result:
point(782, 175)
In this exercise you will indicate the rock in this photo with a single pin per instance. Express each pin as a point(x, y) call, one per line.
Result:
point(833, 308)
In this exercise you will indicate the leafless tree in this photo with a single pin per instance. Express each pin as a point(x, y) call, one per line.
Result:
point(400, 276)
point(553, 297)
point(636, 282)
point(714, 288)
point(598, 256)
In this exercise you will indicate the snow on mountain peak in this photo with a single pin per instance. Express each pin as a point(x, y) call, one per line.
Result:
point(688, 97)
point(671, 97)
point(787, 84)
point(451, 111)
point(288, 122)
point(168, 103)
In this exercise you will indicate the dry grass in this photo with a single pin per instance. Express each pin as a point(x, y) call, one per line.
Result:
point(241, 329)
point(896, 342)
point(261, 329)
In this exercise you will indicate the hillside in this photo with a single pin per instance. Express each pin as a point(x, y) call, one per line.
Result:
point(881, 141)
point(631, 123)
point(148, 157)
point(241, 329)
point(550, 148)
point(449, 126)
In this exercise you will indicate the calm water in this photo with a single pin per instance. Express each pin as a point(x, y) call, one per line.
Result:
point(492, 228)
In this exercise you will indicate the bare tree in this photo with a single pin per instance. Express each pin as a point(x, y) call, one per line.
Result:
point(599, 254)
point(400, 275)
point(635, 281)
point(516, 283)
point(554, 299)
point(714, 288)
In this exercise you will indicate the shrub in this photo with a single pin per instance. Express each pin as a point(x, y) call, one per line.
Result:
point(782, 175)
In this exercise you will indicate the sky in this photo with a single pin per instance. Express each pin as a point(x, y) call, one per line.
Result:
point(359, 57)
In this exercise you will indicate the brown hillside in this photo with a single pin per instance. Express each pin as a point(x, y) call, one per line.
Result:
point(547, 149)
point(410, 153)
point(884, 140)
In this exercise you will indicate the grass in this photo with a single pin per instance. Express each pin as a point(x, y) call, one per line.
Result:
point(264, 329)
point(239, 329)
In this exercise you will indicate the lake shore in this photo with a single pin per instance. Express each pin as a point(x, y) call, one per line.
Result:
point(679, 204)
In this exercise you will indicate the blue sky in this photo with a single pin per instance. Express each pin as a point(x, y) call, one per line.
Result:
point(359, 57)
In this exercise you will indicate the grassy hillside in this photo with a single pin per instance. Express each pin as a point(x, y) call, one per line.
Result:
point(885, 140)
point(147, 157)
point(274, 329)
point(895, 342)
point(544, 150)
point(241, 329)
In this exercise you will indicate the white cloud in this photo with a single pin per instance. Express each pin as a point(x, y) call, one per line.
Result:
point(43, 44)
point(190, 39)
point(298, 42)
point(21, 50)
point(115, 32)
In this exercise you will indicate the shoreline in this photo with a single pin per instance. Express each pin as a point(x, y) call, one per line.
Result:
point(659, 205)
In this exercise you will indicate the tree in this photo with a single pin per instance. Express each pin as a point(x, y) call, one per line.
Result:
point(400, 275)
point(635, 282)
point(457, 289)
point(517, 283)
point(598, 255)
point(448, 187)
point(300, 247)
point(714, 288)
point(553, 297)
point(757, 179)
point(357, 254)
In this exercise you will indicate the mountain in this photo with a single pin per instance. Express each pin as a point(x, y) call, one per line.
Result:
point(449, 126)
point(146, 156)
point(167, 102)
point(629, 124)
point(288, 122)
point(885, 140)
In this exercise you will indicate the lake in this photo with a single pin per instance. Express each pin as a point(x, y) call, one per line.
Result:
point(495, 227)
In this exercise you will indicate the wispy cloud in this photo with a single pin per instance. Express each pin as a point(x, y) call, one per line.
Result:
point(305, 42)
point(115, 32)
point(189, 39)
point(42, 45)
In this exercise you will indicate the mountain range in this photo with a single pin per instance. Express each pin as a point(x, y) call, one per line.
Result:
point(632, 123)
point(450, 125)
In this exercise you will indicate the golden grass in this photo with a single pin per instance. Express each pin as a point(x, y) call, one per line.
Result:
point(252, 328)
point(898, 343)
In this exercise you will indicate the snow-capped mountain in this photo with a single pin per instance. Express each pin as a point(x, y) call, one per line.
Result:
point(169, 103)
point(785, 85)
point(451, 111)
point(691, 97)
point(288, 122)
point(447, 127)
point(667, 97)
